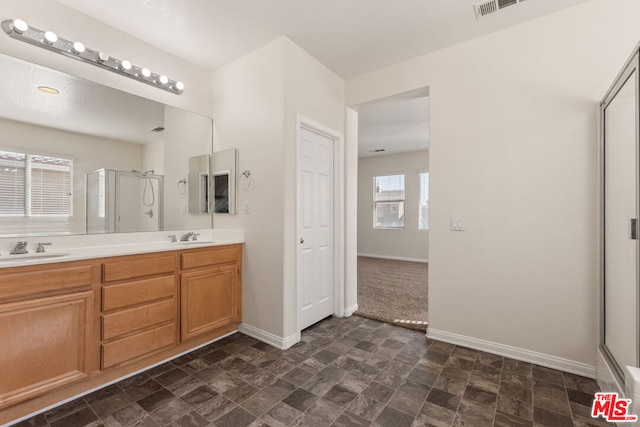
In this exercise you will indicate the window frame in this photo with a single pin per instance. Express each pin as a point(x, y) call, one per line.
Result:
point(34, 166)
point(380, 203)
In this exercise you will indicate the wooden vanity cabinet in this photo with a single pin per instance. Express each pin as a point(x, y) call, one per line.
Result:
point(139, 307)
point(69, 327)
point(46, 328)
point(210, 289)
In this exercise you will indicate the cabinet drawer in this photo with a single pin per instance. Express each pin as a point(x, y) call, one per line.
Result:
point(138, 292)
point(135, 319)
point(45, 280)
point(138, 345)
point(209, 257)
point(135, 266)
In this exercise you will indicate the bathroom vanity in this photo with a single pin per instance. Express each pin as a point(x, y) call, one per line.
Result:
point(68, 327)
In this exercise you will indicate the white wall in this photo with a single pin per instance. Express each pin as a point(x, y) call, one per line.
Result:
point(256, 99)
point(248, 97)
point(513, 152)
point(89, 153)
point(408, 243)
point(317, 93)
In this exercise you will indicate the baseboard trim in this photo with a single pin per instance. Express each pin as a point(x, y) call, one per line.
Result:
point(517, 353)
point(396, 258)
point(350, 310)
point(268, 337)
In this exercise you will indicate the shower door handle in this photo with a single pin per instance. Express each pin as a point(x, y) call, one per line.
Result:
point(633, 228)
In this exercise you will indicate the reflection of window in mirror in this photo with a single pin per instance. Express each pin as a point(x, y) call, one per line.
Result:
point(221, 192)
point(32, 185)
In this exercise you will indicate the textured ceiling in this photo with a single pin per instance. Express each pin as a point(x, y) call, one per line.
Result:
point(396, 126)
point(81, 106)
point(349, 36)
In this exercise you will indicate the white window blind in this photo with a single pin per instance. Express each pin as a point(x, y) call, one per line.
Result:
point(388, 201)
point(423, 215)
point(35, 186)
point(12, 184)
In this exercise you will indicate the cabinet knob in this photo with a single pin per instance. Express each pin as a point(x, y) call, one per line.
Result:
point(301, 240)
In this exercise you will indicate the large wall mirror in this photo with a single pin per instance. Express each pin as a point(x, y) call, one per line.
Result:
point(78, 157)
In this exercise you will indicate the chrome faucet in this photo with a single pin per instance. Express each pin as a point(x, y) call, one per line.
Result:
point(20, 248)
point(185, 236)
point(40, 248)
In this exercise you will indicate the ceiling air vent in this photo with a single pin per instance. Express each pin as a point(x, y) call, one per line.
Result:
point(490, 6)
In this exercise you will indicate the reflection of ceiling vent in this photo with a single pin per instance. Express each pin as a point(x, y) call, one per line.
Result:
point(489, 6)
point(157, 129)
point(378, 150)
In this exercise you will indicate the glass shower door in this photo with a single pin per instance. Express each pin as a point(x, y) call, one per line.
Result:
point(138, 202)
point(620, 213)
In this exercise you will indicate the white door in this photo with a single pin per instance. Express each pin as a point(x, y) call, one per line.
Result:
point(315, 227)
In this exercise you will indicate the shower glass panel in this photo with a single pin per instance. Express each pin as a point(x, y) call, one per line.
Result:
point(120, 201)
point(620, 212)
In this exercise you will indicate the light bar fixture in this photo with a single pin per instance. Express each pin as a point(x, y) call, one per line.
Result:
point(18, 29)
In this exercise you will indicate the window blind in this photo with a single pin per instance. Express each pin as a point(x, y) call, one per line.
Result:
point(12, 183)
point(388, 201)
point(50, 186)
point(34, 185)
point(423, 215)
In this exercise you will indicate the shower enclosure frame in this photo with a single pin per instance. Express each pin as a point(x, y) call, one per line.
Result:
point(630, 72)
point(134, 174)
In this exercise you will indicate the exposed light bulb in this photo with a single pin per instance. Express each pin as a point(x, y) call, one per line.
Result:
point(145, 72)
point(19, 26)
point(125, 65)
point(50, 37)
point(163, 80)
point(179, 86)
point(102, 57)
point(78, 48)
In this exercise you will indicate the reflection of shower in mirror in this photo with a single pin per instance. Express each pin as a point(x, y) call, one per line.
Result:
point(124, 201)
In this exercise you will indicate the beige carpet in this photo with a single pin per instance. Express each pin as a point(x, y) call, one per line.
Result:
point(393, 292)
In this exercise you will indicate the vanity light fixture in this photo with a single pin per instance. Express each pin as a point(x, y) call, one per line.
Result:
point(78, 48)
point(125, 65)
point(20, 30)
point(49, 37)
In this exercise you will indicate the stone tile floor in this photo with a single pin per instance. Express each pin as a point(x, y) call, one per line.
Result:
point(345, 372)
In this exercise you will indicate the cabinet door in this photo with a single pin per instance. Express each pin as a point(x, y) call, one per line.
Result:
point(209, 300)
point(45, 343)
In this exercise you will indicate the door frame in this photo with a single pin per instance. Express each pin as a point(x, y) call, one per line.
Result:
point(303, 122)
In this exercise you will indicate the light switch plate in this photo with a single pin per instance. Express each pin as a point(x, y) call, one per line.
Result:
point(457, 224)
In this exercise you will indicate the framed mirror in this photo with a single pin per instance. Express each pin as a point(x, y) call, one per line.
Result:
point(58, 131)
point(225, 167)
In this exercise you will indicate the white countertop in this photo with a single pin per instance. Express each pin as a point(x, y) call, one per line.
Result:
point(74, 248)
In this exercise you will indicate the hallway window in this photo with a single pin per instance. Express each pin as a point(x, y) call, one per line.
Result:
point(388, 201)
point(35, 186)
point(423, 214)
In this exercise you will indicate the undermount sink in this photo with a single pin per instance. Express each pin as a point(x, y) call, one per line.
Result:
point(32, 257)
